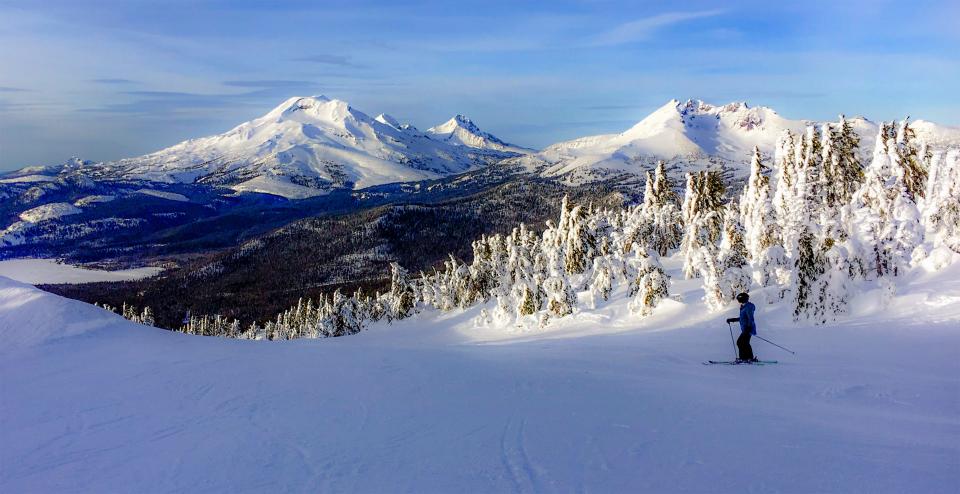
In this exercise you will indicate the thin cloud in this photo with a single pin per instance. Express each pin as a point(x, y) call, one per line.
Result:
point(275, 83)
point(328, 59)
point(642, 29)
point(8, 89)
point(114, 81)
point(611, 107)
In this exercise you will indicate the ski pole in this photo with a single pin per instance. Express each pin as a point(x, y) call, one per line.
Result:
point(776, 345)
point(735, 354)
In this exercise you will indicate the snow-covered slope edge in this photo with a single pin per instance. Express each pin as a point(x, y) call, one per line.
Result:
point(32, 317)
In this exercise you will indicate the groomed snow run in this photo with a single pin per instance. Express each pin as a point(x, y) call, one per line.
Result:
point(595, 403)
point(50, 271)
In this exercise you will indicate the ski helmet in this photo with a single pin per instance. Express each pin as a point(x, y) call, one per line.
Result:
point(742, 298)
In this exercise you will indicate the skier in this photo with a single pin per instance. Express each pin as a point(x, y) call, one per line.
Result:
point(748, 328)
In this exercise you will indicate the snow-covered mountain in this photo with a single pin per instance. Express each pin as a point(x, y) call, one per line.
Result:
point(695, 134)
point(307, 146)
point(461, 131)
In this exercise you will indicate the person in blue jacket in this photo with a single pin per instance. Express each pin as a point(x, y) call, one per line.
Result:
point(748, 328)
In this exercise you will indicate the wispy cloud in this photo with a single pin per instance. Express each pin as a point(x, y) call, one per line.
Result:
point(273, 83)
point(8, 89)
point(115, 81)
point(328, 59)
point(612, 107)
point(163, 102)
point(642, 29)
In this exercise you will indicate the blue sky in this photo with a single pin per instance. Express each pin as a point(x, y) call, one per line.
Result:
point(106, 79)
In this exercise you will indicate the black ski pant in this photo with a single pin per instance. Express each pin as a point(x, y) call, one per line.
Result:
point(743, 346)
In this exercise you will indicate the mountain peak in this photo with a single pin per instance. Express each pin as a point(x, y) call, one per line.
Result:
point(697, 106)
point(312, 107)
point(460, 130)
point(388, 120)
point(457, 121)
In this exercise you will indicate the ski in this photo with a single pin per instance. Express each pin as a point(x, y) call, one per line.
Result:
point(734, 362)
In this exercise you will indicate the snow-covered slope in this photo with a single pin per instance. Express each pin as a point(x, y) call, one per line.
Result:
point(460, 130)
point(599, 402)
point(48, 211)
point(305, 147)
point(15, 233)
point(694, 135)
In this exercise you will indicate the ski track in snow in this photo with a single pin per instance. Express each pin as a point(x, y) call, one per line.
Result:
point(432, 404)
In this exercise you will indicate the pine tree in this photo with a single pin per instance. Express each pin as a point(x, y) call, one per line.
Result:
point(941, 202)
point(601, 283)
point(691, 241)
point(884, 215)
point(834, 288)
point(579, 241)
point(712, 273)
point(664, 215)
point(732, 259)
point(650, 203)
point(561, 300)
point(703, 220)
point(784, 192)
point(846, 171)
point(808, 271)
point(402, 296)
point(147, 317)
point(912, 157)
point(650, 285)
point(756, 209)
point(871, 206)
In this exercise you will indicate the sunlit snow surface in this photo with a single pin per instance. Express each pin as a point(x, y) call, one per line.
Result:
point(600, 402)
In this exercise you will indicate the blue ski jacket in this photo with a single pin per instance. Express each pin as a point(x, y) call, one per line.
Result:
point(747, 323)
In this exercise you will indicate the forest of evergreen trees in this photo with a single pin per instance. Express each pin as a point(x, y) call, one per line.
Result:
point(814, 224)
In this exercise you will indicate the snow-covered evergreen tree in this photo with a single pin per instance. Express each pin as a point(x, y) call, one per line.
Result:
point(912, 157)
point(663, 214)
point(756, 209)
point(885, 218)
point(402, 295)
point(843, 161)
point(807, 274)
point(703, 220)
point(732, 258)
point(941, 202)
point(650, 284)
point(783, 196)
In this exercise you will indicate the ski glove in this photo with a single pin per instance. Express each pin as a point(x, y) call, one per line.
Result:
point(733, 319)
